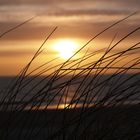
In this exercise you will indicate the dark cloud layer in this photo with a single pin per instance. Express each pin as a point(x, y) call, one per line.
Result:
point(91, 12)
point(85, 29)
point(74, 20)
point(15, 53)
point(124, 2)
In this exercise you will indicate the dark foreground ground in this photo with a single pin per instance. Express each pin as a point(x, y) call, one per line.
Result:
point(114, 123)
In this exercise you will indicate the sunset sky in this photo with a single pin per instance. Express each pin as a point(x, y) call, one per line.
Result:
point(77, 20)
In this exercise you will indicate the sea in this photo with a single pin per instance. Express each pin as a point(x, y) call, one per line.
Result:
point(47, 92)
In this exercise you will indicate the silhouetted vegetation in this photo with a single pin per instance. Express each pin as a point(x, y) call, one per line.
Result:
point(95, 99)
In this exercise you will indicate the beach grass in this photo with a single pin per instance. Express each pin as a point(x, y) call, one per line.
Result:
point(79, 98)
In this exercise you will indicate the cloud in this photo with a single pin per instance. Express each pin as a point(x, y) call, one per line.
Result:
point(15, 53)
point(124, 2)
point(13, 2)
point(71, 29)
point(65, 4)
point(70, 16)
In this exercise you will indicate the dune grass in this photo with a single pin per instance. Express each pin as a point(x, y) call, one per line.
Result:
point(96, 108)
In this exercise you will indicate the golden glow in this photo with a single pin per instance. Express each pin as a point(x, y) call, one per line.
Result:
point(65, 48)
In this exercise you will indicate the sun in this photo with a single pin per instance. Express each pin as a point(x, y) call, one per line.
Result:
point(65, 48)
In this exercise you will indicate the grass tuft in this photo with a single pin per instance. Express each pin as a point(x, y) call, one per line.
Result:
point(96, 99)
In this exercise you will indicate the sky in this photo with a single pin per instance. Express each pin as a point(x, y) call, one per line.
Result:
point(77, 20)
